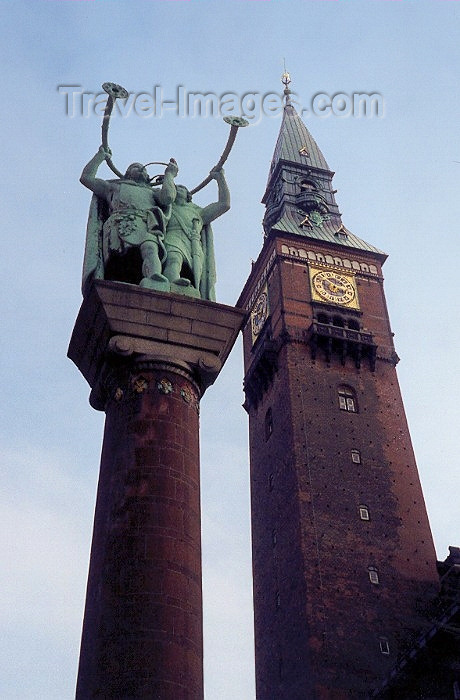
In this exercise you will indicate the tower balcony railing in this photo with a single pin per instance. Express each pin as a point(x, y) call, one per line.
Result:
point(345, 342)
point(310, 199)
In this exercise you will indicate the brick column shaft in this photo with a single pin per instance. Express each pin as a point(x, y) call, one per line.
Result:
point(142, 631)
point(148, 358)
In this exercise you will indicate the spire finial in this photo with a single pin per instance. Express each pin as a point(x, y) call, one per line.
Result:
point(286, 79)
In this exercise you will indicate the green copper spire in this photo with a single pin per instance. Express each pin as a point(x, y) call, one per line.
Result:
point(295, 143)
point(299, 197)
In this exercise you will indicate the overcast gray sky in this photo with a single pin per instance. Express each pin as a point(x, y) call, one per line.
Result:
point(398, 181)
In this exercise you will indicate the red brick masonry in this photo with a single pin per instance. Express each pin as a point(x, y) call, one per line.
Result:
point(148, 357)
point(142, 634)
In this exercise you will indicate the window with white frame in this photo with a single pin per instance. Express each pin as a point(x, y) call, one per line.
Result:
point(373, 575)
point(347, 399)
point(356, 456)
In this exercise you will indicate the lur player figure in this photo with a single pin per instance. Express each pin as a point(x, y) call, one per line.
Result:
point(127, 225)
point(155, 237)
point(189, 241)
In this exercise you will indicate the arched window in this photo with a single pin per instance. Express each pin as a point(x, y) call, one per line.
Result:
point(307, 185)
point(353, 324)
point(338, 321)
point(347, 399)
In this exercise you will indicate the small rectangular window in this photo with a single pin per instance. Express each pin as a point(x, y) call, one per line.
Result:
point(364, 513)
point(356, 456)
point(384, 646)
point(373, 575)
point(347, 401)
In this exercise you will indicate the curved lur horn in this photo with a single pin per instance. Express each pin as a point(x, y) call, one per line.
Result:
point(235, 124)
point(114, 91)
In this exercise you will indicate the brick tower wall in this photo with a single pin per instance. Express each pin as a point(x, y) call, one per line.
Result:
point(322, 626)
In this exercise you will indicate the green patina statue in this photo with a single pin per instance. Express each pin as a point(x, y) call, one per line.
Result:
point(155, 237)
point(127, 224)
point(152, 236)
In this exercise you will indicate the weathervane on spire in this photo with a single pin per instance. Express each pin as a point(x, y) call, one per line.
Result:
point(286, 79)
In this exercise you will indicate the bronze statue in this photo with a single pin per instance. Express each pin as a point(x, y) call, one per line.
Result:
point(127, 225)
point(152, 236)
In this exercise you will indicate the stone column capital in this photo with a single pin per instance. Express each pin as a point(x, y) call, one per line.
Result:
point(119, 325)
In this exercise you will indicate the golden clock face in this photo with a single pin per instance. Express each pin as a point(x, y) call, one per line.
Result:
point(334, 287)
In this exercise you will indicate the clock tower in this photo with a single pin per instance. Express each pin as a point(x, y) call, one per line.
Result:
point(343, 559)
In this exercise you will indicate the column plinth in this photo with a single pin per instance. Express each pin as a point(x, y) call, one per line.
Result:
point(148, 358)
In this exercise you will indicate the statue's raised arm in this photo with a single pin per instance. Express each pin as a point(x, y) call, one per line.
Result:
point(213, 211)
point(88, 178)
point(167, 194)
